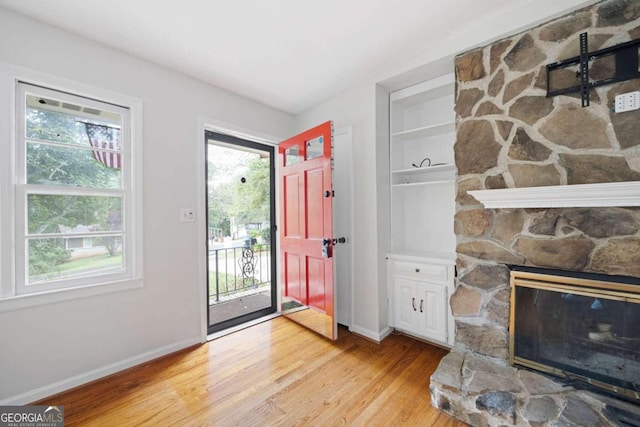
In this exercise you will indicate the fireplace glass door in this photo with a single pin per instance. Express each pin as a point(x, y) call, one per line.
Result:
point(585, 331)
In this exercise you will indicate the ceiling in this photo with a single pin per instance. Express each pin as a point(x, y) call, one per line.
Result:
point(288, 54)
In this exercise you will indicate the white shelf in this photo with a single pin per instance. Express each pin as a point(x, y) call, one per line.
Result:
point(425, 131)
point(562, 196)
point(422, 125)
point(422, 183)
point(434, 257)
point(426, 169)
point(424, 92)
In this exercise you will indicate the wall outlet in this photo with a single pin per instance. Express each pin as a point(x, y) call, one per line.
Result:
point(187, 215)
point(627, 102)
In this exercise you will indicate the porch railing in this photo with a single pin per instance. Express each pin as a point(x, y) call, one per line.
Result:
point(239, 269)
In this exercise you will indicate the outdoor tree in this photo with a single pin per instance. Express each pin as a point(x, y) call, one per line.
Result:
point(114, 222)
point(65, 166)
point(251, 204)
point(218, 199)
point(238, 189)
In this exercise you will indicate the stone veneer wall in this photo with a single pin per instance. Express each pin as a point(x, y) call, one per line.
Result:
point(509, 134)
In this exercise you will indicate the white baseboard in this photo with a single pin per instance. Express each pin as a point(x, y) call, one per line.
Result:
point(375, 336)
point(385, 332)
point(75, 381)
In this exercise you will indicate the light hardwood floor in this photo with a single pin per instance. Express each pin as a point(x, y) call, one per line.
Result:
point(274, 373)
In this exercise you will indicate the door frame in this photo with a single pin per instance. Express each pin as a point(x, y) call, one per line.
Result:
point(247, 144)
point(348, 200)
point(217, 126)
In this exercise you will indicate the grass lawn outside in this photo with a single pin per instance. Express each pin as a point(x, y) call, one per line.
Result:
point(81, 266)
point(91, 262)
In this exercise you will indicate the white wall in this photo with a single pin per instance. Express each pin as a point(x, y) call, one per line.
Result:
point(45, 349)
point(48, 348)
point(357, 108)
point(361, 107)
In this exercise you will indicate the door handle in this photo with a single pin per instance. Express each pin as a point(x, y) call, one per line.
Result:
point(413, 303)
point(421, 301)
point(326, 248)
point(339, 240)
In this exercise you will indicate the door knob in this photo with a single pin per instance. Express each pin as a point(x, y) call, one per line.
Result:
point(339, 240)
point(326, 248)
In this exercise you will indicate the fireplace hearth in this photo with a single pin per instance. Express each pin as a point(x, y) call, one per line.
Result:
point(486, 391)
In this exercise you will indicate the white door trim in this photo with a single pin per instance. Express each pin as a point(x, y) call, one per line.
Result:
point(345, 194)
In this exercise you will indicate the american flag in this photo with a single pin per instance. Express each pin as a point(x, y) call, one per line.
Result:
point(106, 143)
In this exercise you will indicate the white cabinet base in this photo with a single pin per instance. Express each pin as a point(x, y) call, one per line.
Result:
point(419, 291)
point(420, 308)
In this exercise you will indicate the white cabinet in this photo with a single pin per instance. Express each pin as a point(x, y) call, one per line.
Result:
point(422, 257)
point(420, 294)
point(420, 308)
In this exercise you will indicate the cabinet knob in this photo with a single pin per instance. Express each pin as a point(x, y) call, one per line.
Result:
point(417, 270)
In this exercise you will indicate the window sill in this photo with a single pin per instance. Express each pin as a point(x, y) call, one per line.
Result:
point(31, 300)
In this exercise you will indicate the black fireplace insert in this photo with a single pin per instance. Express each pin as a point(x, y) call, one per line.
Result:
point(579, 326)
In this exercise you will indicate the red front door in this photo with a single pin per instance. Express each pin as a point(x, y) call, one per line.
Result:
point(306, 236)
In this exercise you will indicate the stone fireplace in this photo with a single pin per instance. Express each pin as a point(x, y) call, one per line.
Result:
point(510, 135)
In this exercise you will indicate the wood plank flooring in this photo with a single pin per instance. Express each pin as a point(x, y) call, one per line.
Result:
point(273, 374)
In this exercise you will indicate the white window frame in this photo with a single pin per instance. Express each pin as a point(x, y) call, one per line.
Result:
point(13, 190)
point(23, 190)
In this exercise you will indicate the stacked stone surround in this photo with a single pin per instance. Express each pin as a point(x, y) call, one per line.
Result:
point(510, 135)
point(485, 391)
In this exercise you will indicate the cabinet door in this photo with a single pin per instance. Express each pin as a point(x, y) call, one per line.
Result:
point(406, 308)
point(431, 312)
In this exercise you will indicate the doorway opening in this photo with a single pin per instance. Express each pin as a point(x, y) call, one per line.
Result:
point(241, 262)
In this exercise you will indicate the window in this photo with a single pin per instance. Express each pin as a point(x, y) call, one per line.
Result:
point(74, 222)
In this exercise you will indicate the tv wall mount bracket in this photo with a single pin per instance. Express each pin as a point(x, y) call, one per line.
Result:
point(626, 67)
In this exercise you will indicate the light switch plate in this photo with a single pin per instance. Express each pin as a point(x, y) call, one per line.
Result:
point(187, 215)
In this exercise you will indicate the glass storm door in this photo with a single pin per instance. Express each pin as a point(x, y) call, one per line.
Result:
point(241, 279)
point(306, 235)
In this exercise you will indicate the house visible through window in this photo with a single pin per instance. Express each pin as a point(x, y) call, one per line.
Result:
point(73, 193)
